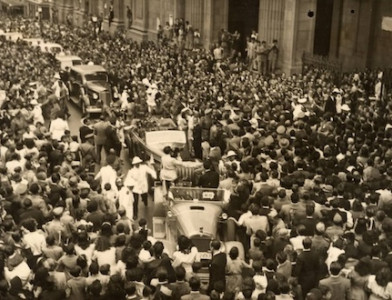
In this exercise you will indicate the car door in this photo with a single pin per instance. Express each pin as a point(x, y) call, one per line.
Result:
point(76, 83)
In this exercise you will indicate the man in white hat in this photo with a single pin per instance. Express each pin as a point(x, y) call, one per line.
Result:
point(138, 175)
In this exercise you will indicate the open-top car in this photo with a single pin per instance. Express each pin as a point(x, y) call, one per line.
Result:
point(90, 88)
point(148, 138)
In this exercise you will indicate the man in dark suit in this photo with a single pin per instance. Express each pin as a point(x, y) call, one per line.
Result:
point(194, 283)
point(307, 267)
point(28, 211)
point(112, 140)
point(100, 136)
point(309, 222)
point(218, 266)
point(339, 286)
point(180, 287)
point(210, 178)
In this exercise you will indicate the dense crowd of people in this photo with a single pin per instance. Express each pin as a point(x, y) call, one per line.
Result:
point(306, 161)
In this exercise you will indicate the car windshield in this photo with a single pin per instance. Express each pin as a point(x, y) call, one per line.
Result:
point(98, 76)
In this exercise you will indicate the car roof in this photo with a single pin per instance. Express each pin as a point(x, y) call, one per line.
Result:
point(33, 39)
point(88, 69)
point(67, 57)
point(13, 33)
point(52, 45)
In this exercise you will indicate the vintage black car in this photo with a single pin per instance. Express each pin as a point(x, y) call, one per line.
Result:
point(90, 88)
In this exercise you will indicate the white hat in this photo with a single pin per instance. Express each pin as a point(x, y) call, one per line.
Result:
point(57, 76)
point(345, 107)
point(58, 211)
point(136, 160)
point(34, 102)
point(254, 123)
point(231, 153)
point(336, 90)
point(302, 100)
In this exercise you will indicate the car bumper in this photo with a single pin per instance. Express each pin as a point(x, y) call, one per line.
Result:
point(93, 110)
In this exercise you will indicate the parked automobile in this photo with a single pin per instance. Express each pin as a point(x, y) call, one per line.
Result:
point(34, 42)
point(196, 213)
point(52, 48)
point(68, 61)
point(12, 36)
point(90, 88)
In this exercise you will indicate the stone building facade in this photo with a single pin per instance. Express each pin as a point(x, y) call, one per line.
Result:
point(357, 33)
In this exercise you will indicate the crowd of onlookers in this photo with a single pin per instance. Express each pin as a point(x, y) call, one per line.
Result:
point(307, 164)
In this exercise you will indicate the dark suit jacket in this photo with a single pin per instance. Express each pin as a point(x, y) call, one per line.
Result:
point(310, 225)
point(179, 289)
point(307, 270)
point(218, 270)
point(112, 140)
point(209, 179)
point(34, 213)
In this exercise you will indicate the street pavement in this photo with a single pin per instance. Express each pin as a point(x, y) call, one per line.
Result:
point(74, 123)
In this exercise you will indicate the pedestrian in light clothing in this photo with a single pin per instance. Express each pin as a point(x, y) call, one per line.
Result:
point(339, 286)
point(138, 174)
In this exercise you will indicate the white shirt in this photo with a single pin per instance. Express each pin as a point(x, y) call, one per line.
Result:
point(186, 260)
point(106, 257)
point(22, 271)
point(139, 177)
point(125, 199)
point(57, 128)
point(107, 175)
point(36, 241)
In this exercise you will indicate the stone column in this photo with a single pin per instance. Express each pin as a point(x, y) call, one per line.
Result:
point(118, 21)
point(271, 16)
point(208, 22)
point(179, 8)
point(194, 13)
point(138, 32)
point(298, 34)
point(65, 8)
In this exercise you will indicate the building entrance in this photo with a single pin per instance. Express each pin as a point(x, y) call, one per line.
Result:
point(322, 31)
point(243, 17)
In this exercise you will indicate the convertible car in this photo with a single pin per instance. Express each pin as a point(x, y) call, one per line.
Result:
point(148, 138)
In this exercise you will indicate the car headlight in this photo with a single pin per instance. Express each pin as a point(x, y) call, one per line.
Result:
point(95, 96)
point(169, 214)
point(224, 216)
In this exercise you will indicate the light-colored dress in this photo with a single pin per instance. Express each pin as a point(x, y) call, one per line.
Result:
point(378, 292)
point(234, 274)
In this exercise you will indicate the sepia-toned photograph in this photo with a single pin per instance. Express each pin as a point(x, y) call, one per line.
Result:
point(195, 149)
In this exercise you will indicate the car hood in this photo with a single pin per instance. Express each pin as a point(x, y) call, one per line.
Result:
point(196, 218)
point(98, 86)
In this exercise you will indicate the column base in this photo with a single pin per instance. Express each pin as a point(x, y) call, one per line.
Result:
point(116, 25)
point(137, 34)
point(290, 69)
